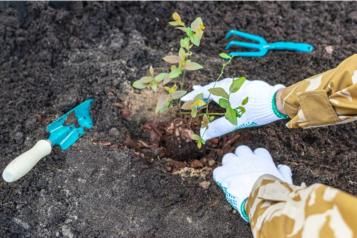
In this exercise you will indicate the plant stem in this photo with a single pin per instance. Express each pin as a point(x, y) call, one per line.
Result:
point(214, 85)
point(182, 81)
point(181, 87)
point(218, 78)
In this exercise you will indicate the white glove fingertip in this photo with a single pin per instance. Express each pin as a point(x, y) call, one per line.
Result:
point(229, 158)
point(263, 153)
point(242, 151)
point(218, 173)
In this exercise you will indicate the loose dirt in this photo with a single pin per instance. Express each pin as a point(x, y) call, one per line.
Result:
point(53, 57)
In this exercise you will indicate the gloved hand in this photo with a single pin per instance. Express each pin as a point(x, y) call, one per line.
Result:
point(260, 109)
point(239, 172)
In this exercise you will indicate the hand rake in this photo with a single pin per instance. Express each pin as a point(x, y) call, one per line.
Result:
point(260, 47)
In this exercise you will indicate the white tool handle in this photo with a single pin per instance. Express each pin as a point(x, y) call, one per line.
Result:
point(23, 163)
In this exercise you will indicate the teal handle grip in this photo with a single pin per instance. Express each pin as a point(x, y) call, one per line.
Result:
point(293, 46)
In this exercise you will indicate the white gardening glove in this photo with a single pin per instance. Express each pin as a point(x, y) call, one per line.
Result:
point(240, 171)
point(260, 109)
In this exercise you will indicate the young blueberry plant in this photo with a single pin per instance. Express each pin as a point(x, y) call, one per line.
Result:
point(166, 82)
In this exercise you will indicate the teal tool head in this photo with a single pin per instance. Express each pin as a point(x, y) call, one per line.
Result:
point(68, 128)
point(259, 47)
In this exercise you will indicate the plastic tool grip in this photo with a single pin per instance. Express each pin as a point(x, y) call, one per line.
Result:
point(22, 164)
point(294, 46)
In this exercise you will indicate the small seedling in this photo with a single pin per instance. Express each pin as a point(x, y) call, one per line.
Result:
point(199, 141)
point(180, 63)
point(166, 83)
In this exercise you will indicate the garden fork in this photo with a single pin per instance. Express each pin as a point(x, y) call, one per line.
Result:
point(262, 46)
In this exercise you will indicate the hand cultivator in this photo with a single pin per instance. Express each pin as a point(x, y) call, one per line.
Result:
point(64, 132)
point(261, 47)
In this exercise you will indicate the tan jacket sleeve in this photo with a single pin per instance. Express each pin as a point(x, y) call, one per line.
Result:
point(324, 99)
point(277, 209)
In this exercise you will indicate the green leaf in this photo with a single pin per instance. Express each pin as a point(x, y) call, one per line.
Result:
point(139, 84)
point(171, 59)
point(171, 90)
point(240, 111)
point(198, 27)
point(197, 24)
point(143, 82)
point(177, 20)
point(223, 102)
point(192, 66)
point(175, 72)
point(174, 23)
point(185, 43)
point(205, 121)
point(187, 105)
point(195, 39)
point(151, 71)
point(231, 115)
point(199, 144)
point(245, 101)
point(225, 56)
point(182, 57)
point(161, 76)
point(236, 84)
point(198, 139)
point(178, 94)
point(189, 32)
point(219, 92)
point(195, 137)
point(153, 86)
point(146, 79)
point(182, 54)
point(163, 103)
point(176, 17)
point(198, 101)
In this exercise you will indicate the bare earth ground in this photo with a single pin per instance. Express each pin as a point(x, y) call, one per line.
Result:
point(57, 57)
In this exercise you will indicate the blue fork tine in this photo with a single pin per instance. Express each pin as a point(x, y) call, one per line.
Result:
point(259, 53)
point(259, 50)
point(249, 36)
point(235, 43)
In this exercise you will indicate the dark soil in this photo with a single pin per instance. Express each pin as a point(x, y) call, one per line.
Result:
point(53, 57)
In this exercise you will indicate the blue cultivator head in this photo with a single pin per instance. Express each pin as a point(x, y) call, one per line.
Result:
point(68, 128)
point(260, 47)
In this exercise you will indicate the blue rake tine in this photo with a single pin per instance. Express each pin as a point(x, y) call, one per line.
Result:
point(249, 36)
point(241, 44)
point(259, 53)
